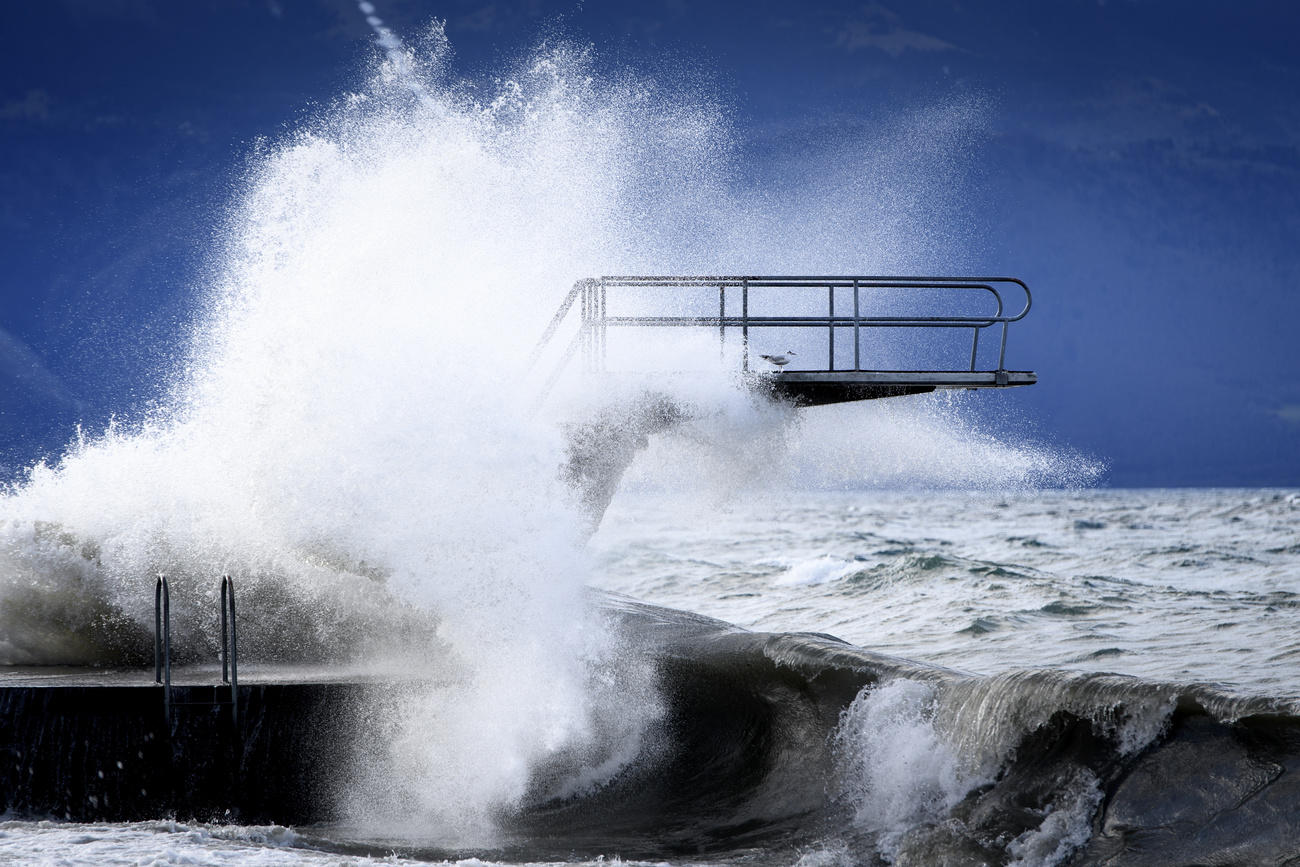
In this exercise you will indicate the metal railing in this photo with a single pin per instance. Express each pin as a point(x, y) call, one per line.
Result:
point(230, 646)
point(162, 644)
point(592, 298)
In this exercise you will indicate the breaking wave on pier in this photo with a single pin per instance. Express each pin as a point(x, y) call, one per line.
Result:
point(346, 436)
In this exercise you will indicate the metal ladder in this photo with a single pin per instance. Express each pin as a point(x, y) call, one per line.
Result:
point(162, 645)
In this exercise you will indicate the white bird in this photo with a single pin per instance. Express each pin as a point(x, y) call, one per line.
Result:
point(779, 360)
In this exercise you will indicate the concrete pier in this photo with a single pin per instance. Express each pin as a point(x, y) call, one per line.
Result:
point(92, 745)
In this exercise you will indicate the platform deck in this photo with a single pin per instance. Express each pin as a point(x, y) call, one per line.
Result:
point(820, 387)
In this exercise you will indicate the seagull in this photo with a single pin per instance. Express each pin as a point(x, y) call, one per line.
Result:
point(779, 360)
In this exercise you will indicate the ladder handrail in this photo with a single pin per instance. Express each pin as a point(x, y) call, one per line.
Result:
point(230, 645)
point(162, 642)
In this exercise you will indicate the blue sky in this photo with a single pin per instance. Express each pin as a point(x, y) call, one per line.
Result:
point(1138, 163)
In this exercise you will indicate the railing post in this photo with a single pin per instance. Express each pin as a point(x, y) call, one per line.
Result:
point(830, 290)
point(604, 328)
point(585, 327)
point(744, 324)
point(1001, 376)
point(974, 346)
point(857, 339)
point(722, 325)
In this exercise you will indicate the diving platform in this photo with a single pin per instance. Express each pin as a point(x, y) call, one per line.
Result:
point(816, 388)
point(807, 340)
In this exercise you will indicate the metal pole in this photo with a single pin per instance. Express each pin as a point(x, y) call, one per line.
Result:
point(225, 634)
point(744, 324)
point(1002, 358)
point(830, 291)
point(157, 630)
point(234, 655)
point(162, 643)
point(722, 327)
point(585, 329)
point(604, 329)
point(167, 638)
point(857, 339)
point(556, 321)
point(974, 346)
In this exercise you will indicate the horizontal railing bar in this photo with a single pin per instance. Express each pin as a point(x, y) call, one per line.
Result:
point(818, 375)
point(785, 284)
point(835, 281)
point(815, 280)
point(838, 283)
point(802, 321)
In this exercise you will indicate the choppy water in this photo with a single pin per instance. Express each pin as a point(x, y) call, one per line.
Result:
point(1193, 592)
point(1175, 584)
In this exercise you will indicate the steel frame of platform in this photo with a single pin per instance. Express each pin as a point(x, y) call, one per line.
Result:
point(591, 298)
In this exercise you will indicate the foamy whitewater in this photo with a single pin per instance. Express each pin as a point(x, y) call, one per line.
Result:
point(347, 436)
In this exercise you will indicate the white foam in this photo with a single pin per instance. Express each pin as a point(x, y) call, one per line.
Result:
point(1066, 825)
point(170, 844)
point(822, 570)
point(896, 768)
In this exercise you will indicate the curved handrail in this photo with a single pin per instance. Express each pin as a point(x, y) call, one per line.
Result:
point(836, 281)
point(230, 645)
point(162, 642)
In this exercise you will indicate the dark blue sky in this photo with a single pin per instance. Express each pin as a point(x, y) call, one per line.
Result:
point(1138, 164)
